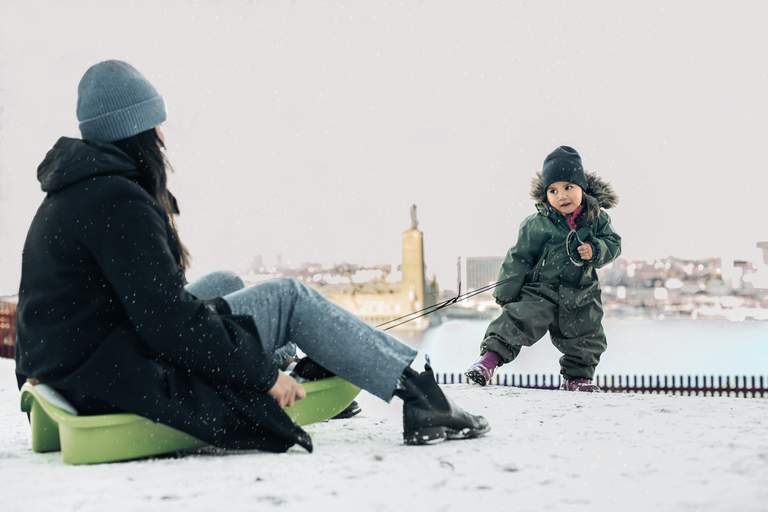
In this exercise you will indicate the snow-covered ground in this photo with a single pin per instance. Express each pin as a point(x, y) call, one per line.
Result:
point(548, 451)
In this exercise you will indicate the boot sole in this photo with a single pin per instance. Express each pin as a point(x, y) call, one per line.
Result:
point(476, 377)
point(431, 435)
point(346, 414)
point(466, 433)
point(436, 435)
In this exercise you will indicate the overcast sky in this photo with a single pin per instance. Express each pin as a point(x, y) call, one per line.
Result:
point(307, 129)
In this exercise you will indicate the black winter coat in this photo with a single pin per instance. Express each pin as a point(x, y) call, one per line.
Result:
point(104, 318)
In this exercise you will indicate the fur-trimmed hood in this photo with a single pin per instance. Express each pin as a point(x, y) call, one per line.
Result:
point(597, 189)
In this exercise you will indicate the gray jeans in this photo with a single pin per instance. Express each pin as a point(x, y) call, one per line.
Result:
point(288, 313)
point(219, 284)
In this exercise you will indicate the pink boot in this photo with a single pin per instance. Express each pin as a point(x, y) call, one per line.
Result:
point(579, 384)
point(481, 372)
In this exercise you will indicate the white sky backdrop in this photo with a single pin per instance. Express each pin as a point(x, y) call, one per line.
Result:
point(308, 128)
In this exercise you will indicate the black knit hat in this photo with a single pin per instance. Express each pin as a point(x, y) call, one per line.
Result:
point(564, 164)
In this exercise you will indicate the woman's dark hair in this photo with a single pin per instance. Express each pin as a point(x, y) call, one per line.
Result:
point(146, 149)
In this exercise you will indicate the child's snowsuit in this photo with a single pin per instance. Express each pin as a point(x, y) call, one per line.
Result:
point(547, 291)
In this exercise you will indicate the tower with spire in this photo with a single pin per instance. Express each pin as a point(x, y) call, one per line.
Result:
point(413, 263)
point(382, 301)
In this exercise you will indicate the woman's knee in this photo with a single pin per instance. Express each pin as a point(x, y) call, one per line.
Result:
point(231, 278)
point(215, 284)
point(289, 285)
point(228, 281)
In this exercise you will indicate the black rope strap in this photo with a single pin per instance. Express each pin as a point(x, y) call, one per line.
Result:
point(440, 305)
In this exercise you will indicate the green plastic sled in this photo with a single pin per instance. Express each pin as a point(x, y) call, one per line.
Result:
point(118, 437)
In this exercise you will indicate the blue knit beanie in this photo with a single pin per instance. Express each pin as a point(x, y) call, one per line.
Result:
point(114, 101)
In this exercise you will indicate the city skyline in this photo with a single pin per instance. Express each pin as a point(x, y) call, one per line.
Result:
point(472, 278)
point(308, 130)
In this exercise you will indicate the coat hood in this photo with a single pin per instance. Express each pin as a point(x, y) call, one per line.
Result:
point(597, 188)
point(72, 160)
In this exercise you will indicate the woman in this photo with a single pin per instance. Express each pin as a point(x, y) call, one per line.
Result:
point(104, 317)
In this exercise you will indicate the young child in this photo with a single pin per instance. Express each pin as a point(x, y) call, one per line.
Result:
point(549, 279)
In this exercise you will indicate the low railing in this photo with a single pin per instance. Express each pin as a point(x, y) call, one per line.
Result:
point(748, 386)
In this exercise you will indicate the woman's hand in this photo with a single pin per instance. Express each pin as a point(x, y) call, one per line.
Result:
point(585, 251)
point(286, 390)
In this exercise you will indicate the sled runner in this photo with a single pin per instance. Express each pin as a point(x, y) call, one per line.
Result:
point(117, 437)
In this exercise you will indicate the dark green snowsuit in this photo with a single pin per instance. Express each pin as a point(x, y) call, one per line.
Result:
point(543, 290)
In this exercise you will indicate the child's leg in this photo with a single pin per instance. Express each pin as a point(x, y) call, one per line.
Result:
point(521, 323)
point(581, 354)
point(215, 284)
point(285, 310)
point(578, 332)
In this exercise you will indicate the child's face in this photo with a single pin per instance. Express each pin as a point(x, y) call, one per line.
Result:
point(564, 196)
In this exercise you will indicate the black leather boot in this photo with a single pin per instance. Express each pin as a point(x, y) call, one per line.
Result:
point(352, 409)
point(307, 369)
point(429, 416)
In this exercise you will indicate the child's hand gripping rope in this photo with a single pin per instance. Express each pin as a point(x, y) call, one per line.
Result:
point(583, 248)
point(585, 251)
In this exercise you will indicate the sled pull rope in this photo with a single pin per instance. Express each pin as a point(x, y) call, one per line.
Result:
point(568, 239)
point(440, 305)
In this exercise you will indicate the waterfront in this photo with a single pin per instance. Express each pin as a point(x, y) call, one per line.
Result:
point(690, 347)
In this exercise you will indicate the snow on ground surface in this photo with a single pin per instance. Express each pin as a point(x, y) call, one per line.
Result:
point(548, 451)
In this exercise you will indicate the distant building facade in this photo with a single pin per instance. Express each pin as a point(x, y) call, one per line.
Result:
point(763, 246)
point(481, 271)
point(7, 326)
point(377, 302)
